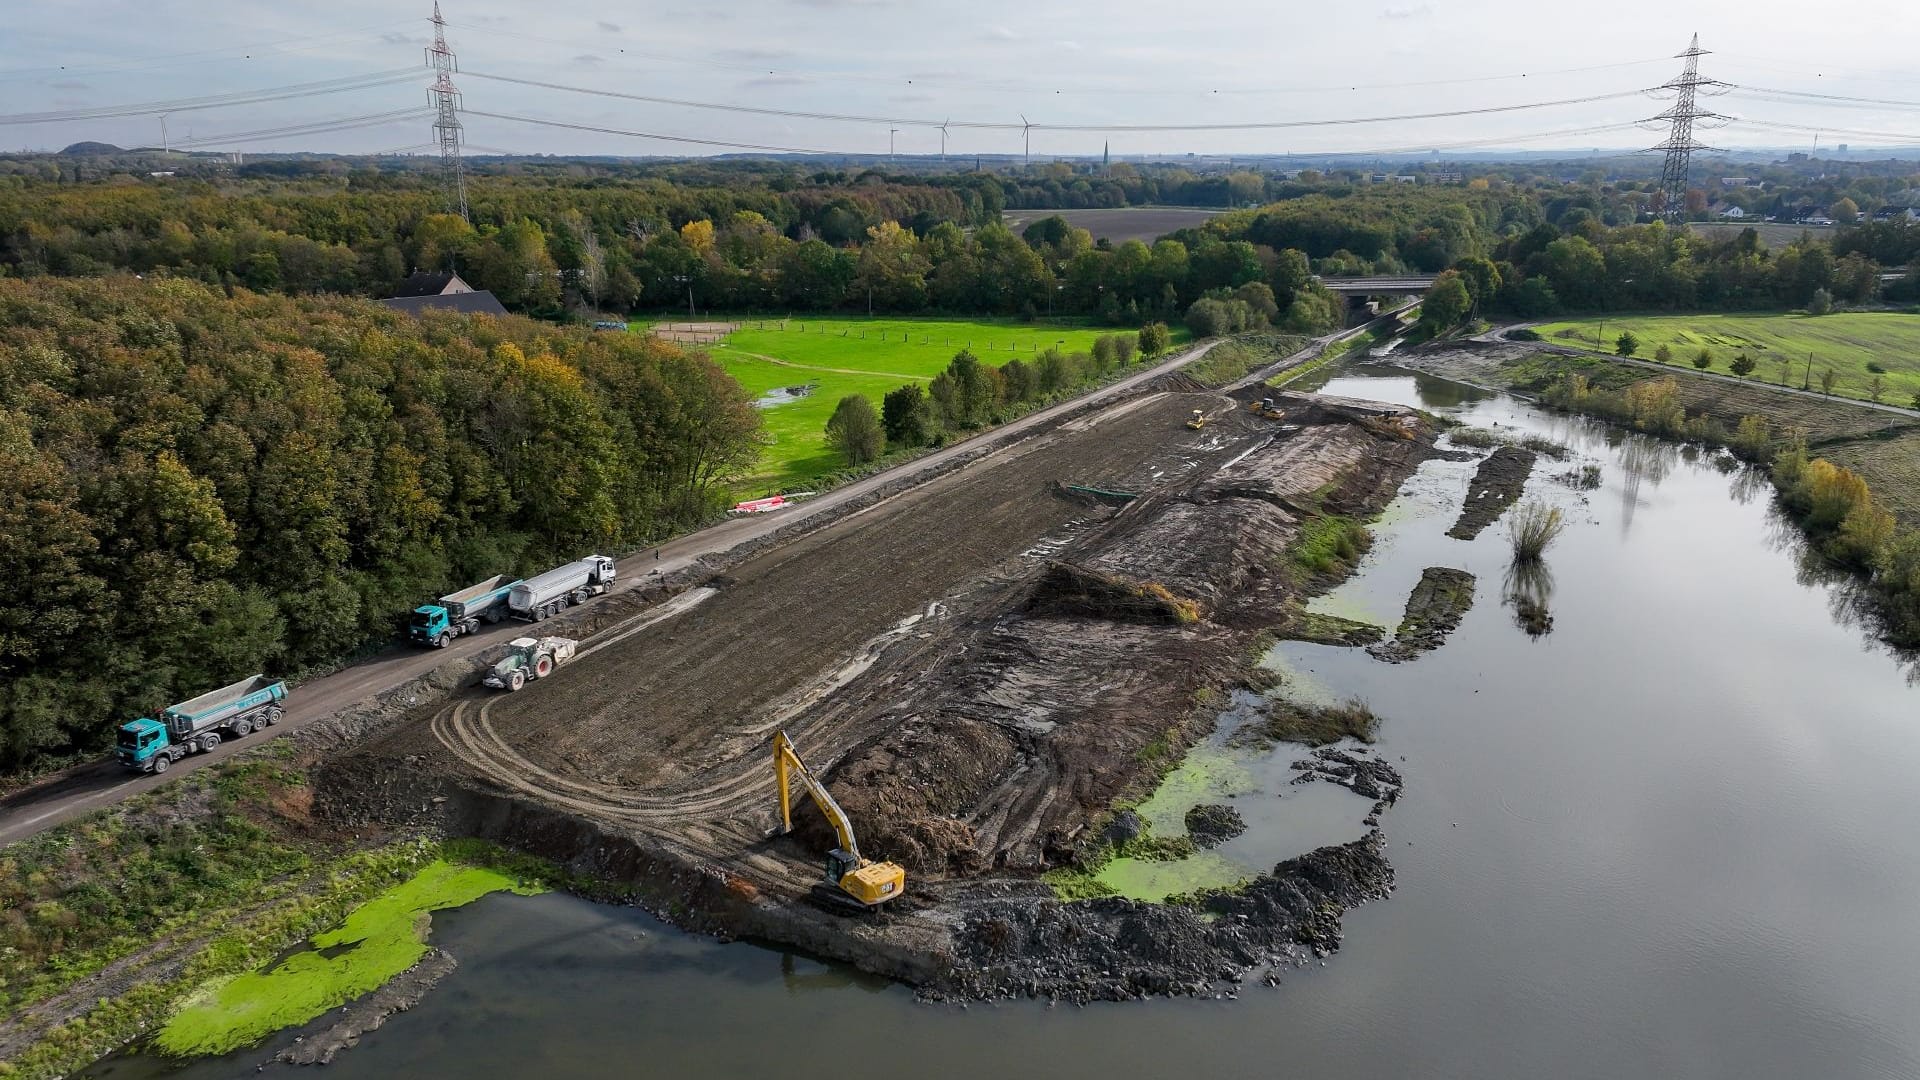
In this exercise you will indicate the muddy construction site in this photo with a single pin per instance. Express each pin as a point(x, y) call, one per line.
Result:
point(979, 667)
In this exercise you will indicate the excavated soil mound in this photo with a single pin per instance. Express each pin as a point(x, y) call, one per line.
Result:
point(1115, 950)
point(1210, 824)
point(1065, 589)
point(1439, 601)
point(1040, 713)
point(1496, 483)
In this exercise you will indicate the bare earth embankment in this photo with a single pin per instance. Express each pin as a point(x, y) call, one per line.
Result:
point(981, 667)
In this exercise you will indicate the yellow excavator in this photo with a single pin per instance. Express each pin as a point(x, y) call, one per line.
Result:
point(850, 878)
point(1198, 420)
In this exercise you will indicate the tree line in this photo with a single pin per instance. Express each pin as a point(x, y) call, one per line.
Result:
point(204, 485)
point(971, 394)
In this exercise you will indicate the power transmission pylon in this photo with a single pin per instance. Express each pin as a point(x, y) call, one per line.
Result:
point(446, 112)
point(1671, 205)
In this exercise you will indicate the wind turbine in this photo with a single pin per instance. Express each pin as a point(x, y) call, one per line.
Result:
point(1026, 133)
point(943, 139)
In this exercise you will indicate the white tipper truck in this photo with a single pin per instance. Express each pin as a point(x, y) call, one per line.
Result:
point(548, 594)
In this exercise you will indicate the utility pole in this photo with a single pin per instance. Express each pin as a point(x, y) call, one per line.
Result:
point(1680, 144)
point(446, 112)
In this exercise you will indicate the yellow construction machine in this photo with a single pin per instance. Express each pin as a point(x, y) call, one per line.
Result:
point(1198, 420)
point(850, 878)
point(1266, 409)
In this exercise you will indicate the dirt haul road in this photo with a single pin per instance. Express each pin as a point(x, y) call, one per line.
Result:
point(980, 666)
point(89, 787)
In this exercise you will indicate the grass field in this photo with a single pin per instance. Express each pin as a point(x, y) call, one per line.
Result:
point(1776, 235)
point(1845, 342)
point(858, 356)
point(1120, 224)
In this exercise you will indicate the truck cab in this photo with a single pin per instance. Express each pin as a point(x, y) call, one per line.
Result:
point(428, 625)
point(138, 742)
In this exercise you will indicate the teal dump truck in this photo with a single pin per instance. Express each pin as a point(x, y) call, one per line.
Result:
point(461, 613)
point(191, 727)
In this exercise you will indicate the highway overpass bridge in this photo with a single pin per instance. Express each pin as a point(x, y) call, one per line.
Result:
point(1363, 293)
point(1406, 285)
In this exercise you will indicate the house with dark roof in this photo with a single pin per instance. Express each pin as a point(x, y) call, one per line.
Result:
point(443, 291)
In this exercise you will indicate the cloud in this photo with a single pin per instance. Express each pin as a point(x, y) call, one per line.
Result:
point(70, 84)
point(589, 58)
point(753, 56)
point(607, 27)
point(1415, 11)
point(1072, 46)
point(842, 3)
point(778, 80)
point(394, 37)
point(1001, 33)
point(911, 99)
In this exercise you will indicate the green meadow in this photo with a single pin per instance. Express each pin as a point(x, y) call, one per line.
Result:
point(837, 357)
point(1845, 343)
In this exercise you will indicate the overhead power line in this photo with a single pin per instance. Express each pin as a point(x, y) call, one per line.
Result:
point(219, 101)
point(646, 134)
point(1821, 130)
point(317, 127)
point(992, 125)
point(1829, 98)
point(923, 81)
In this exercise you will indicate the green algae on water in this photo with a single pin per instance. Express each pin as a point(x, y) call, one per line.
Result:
point(379, 940)
point(1151, 880)
point(1209, 773)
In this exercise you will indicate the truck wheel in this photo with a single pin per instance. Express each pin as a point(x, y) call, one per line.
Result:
point(440, 639)
point(274, 714)
point(515, 681)
point(208, 741)
point(493, 616)
point(161, 763)
point(243, 727)
point(543, 667)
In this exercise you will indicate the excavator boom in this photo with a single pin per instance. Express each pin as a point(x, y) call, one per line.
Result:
point(787, 763)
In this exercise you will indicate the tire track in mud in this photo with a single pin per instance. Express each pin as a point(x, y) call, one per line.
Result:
point(466, 729)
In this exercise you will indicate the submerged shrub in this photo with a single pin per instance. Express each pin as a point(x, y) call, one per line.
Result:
point(1534, 528)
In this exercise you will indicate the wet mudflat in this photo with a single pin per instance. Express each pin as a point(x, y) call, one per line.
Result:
point(1673, 836)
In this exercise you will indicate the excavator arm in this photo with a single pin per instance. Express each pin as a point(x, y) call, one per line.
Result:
point(787, 764)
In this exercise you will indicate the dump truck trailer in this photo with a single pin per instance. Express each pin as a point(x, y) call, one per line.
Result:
point(198, 725)
point(556, 590)
point(462, 612)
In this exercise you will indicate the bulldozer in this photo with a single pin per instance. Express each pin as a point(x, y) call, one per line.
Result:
point(1267, 410)
point(851, 880)
point(529, 658)
point(1198, 420)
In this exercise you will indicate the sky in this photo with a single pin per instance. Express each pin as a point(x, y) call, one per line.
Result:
point(911, 65)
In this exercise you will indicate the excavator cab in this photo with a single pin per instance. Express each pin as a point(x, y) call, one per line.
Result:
point(869, 883)
point(1198, 420)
